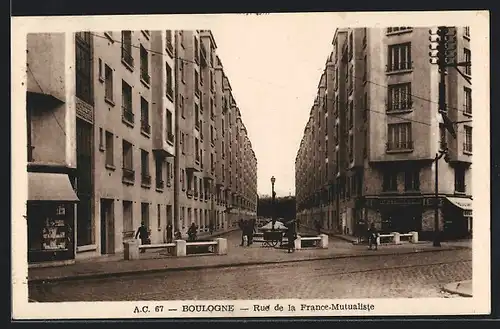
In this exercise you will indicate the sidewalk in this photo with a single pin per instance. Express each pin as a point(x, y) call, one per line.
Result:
point(462, 288)
point(159, 261)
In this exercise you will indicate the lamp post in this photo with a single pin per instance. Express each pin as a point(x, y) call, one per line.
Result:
point(273, 180)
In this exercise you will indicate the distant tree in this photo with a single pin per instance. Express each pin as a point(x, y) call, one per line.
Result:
point(284, 207)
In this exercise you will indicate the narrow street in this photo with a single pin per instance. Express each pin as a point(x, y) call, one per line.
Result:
point(406, 276)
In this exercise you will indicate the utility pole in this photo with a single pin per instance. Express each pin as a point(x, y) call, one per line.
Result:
point(444, 55)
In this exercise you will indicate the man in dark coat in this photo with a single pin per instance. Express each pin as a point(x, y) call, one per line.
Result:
point(143, 234)
point(169, 233)
point(291, 235)
point(241, 225)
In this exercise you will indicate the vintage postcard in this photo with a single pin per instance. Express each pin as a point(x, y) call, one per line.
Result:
point(244, 165)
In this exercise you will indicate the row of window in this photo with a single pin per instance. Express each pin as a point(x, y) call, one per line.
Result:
point(410, 179)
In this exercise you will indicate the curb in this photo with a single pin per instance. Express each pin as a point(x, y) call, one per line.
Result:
point(213, 266)
point(452, 288)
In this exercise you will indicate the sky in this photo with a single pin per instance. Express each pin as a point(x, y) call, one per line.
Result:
point(274, 67)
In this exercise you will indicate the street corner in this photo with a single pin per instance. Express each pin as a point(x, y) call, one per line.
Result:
point(461, 288)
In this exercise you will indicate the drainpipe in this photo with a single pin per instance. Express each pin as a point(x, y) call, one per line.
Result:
point(177, 171)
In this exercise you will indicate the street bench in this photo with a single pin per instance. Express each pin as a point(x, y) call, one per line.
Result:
point(395, 237)
point(321, 241)
point(178, 248)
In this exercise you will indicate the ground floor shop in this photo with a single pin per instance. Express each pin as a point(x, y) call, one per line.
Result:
point(401, 214)
point(50, 217)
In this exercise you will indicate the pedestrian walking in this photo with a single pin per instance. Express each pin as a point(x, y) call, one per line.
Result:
point(318, 227)
point(291, 236)
point(192, 232)
point(169, 233)
point(251, 229)
point(143, 234)
point(241, 225)
point(372, 237)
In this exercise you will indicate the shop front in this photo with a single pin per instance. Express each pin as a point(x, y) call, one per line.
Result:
point(398, 214)
point(458, 218)
point(50, 218)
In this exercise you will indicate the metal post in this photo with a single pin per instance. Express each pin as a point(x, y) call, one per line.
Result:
point(436, 243)
point(273, 206)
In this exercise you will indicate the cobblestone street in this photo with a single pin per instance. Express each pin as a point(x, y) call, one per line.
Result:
point(409, 275)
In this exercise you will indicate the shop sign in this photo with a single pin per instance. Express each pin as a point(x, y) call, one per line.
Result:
point(400, 202)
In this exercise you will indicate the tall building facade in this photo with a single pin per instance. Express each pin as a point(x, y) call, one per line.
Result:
point(367, 153)
point(125, 124)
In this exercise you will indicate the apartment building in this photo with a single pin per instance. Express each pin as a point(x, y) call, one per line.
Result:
point(367, 154)
point(122, 126)
point(207, 122)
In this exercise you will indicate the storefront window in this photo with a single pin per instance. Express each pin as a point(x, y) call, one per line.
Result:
point(50, 231)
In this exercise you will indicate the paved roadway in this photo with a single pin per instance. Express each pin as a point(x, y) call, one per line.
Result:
point(411, 276)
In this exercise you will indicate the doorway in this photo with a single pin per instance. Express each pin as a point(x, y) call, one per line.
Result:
point(107, 226)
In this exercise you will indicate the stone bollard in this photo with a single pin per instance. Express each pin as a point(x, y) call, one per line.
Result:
point(221, 248)
point(397, 238)
point(323, 244)
point(297, 243)
point(414, 237)
point(180, 248)
point(131, 249)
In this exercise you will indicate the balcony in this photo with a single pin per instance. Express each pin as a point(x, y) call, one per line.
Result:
point(170, 137)
point(160, 184)
point(145, 127)
point(169, 47)
point(468, 148)
point(467, 110)
point(395, 147)
point(443, 145)
point(145, 77)
point(401, 67)
point(398, 30)
point(127, 58)
point(398, 107)
point(170, 92)
point(128, 116)
point(145, 180)
point(128, 176)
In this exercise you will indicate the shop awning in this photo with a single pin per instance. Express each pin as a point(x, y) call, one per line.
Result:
point(462, 203)
point(50, 187)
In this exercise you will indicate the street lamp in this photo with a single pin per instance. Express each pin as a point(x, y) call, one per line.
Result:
point(273, 180)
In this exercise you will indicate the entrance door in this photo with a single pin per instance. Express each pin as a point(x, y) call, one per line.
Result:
point(107, 227)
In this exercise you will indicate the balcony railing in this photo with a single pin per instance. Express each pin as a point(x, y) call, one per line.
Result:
point(399, 106)
point(128, 175)
point(443, 145)
point(145, 127)
point(189, 193)
point(170, 47)
point(195, 194)
point(170, 91)
point(127, 55)
point(399, 146)
point(145, 76)
point(127, 114)
point(160, 184)
point(468, 147)
point(170, 137)
point(401, 66)
point(467, 109)
point(145, 179)
point(460, 188)
point(398, 29)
